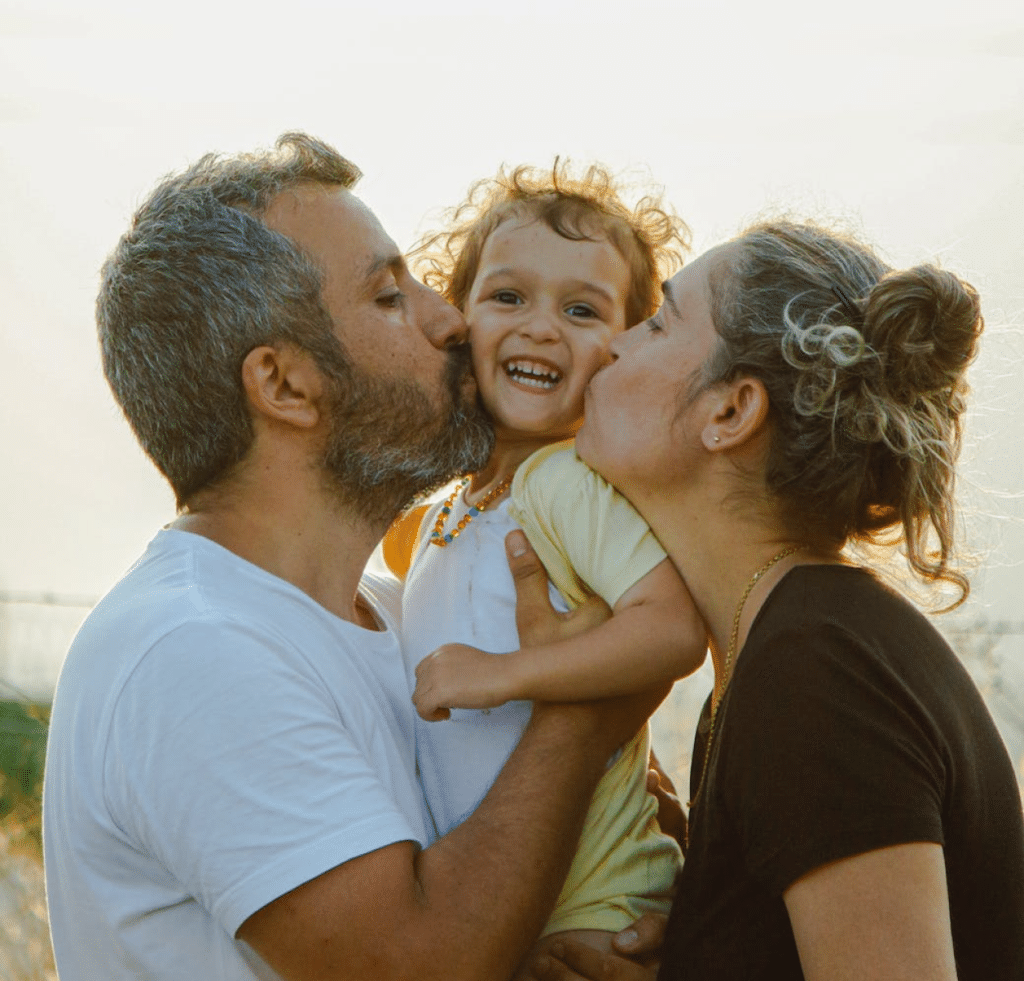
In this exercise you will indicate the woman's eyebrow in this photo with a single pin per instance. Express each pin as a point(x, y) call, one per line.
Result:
point(669, 300)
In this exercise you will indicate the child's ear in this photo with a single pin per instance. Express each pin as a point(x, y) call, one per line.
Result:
point(284, 384)
point(739, 413)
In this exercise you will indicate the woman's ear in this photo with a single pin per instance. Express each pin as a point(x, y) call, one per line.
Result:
point(283, 383)
point(740, 412)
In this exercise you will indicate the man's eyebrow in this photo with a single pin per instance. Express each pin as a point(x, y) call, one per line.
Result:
point(669, 300)
point(393, 261)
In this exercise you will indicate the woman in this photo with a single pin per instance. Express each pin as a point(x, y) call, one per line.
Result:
point(853, 811)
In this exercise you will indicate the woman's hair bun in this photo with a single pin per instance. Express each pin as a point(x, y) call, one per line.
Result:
point(865, 370)
point(923, 323)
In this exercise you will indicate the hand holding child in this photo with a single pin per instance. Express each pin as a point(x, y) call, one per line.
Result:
point(459, 676)
point(634, 956)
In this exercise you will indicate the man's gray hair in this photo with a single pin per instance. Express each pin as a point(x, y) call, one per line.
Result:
point(196, 283)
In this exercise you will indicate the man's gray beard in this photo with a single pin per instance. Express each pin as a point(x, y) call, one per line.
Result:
point(389, 443)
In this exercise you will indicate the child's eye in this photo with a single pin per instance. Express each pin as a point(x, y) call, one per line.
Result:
point(581, 310)
point(653, 326)
point(507, 296)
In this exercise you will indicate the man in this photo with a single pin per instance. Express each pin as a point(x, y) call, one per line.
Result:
point(230, 790)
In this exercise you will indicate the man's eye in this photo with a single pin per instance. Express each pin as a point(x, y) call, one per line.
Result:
point(393, 299)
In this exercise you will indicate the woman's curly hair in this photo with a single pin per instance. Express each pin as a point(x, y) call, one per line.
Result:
point(650, 238)
point(865, 372)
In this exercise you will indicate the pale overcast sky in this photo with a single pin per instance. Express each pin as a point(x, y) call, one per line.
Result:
point(907, 117)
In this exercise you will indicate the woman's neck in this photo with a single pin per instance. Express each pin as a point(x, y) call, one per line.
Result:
point(720, 553)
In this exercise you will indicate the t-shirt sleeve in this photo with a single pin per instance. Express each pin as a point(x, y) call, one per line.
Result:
point(827, 755)
point(241, 776)
point(583, 529)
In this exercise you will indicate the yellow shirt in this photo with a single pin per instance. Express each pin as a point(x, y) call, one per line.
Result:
point(591, 539)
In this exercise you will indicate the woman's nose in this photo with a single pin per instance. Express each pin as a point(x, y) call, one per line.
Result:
point(619, 344)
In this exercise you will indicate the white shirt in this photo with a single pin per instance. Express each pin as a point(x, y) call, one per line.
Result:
point(217, 739)
point(463, 593)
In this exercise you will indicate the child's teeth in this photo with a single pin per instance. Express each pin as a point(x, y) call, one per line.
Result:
point(536, 377)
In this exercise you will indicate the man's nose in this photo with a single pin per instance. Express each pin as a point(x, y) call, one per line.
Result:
point(444, 326)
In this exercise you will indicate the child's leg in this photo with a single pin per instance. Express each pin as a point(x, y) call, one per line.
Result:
point(598, 939)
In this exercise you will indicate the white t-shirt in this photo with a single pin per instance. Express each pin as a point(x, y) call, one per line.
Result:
point(463, 593)
point(217, 739)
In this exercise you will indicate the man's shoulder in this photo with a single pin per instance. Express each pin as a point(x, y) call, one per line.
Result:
point(177, 580)
point(187, 594)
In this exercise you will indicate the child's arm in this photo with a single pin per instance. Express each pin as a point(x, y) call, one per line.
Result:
point(655, 635)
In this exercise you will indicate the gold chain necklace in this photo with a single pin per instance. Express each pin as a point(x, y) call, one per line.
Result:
point(729, 654)
point(438, 537)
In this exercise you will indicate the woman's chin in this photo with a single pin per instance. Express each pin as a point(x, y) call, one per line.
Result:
point(587, 451)
point(583, 445)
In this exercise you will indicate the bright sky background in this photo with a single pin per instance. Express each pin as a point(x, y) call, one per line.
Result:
point(906, 116)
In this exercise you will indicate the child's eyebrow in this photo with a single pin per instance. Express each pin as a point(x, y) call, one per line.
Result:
point(575, 284)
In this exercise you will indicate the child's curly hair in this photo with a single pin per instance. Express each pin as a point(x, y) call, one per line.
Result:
point(649, 237)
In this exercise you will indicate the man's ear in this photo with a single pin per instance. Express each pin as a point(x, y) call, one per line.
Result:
point(740, 412)
point(283, 383)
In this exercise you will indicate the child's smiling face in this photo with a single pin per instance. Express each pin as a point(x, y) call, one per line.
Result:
point(542, 311)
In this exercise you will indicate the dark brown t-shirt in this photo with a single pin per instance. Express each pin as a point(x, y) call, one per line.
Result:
point(848, 725)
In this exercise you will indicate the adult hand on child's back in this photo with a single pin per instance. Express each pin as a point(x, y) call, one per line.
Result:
point(671, 817)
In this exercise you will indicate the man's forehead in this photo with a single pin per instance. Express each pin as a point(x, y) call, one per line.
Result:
point(308, 210)
point(330, 223)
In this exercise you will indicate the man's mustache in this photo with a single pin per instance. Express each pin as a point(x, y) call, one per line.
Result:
point(460, 364)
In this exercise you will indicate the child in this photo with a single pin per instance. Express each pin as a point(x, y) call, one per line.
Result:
point(547, 270)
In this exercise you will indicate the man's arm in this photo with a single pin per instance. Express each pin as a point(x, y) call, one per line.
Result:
point(472, 904)
point(654, 637)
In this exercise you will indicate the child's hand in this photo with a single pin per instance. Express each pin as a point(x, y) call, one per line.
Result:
point(458, 676)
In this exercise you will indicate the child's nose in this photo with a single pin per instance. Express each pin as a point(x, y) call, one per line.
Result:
point(540, 327)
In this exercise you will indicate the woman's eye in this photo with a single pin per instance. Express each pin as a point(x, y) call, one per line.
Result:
point(581, 310)
point(393, 299)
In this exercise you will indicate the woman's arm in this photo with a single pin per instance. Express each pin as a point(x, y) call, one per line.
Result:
point(655, 635)
point(880, 915)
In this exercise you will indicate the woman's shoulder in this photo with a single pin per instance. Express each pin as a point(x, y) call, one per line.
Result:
point(820, 613)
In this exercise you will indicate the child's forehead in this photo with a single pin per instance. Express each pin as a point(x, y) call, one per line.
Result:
point(571, 220)
point(523, 234)
point(529, 252)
